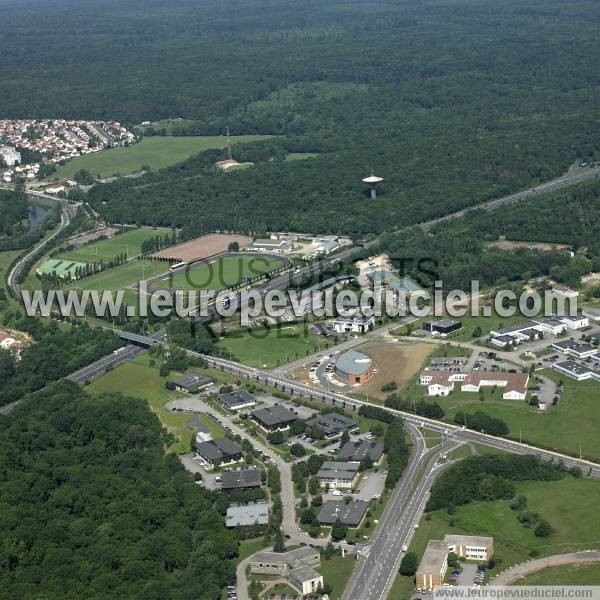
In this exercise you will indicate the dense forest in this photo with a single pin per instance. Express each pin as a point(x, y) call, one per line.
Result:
point(452, 103)
point(13, 209)
point(92, 508)
point(458, 252)
point(489, 478)
point(55, 352)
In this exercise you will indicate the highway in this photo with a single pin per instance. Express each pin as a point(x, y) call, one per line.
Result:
point(549, 186)
point(456, 432)
point(375, 574)
point(361, 577)
point(66, 214)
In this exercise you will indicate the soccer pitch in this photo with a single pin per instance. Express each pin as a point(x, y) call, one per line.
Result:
point(129, 242)
point(218, 274)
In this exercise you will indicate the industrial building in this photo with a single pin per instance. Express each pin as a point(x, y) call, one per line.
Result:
point(295, 566)
point(274, 418)
point(357, 451)
point(348, 513)
point(244, 479)
point(353, 367)
point(442, 327)
point(338, 474)
point(192, 382)
point(223, 450)
point(237, 400)
point(333, 424)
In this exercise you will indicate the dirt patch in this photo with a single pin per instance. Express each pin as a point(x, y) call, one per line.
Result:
point(394, 363)
point(202, 247)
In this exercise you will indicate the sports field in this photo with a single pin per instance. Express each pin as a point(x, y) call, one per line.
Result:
point(156, 152)
point(203, 247)
point(129, 243)
point(218, 274)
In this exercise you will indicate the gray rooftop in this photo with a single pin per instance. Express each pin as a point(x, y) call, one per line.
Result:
point(274, 415)
point(573, 367)
point(219, 448)
point(304, 554)
point(356, 451)
point(444, 322)
point(193, 380)
point(235, 399)
point(332, 423)
point(353, 362)
point(240, 479)
point(574, 346)
point(350, 514)
point(434, 557)
point(247, 515)
point(338, 470)
point(516, 328)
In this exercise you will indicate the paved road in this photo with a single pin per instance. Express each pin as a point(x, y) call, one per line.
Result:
point(374, 574)
point(458, 433)
point(66, 215)
point(513, 574)
point(549, 186)
point(361, 575)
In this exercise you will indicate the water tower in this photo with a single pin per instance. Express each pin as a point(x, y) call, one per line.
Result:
point(372, 181)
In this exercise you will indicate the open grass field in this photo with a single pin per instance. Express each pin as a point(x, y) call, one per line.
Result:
point(337, 571)
point(568, 505)
point(394, 363)
point(301, 155)
point(581, 574)
point(115, 279)
point(202, 247)
point(129, 243)
point(218, 274)
point(268, 348)
point(156, 152)
point(574, 420)
point(141, 381)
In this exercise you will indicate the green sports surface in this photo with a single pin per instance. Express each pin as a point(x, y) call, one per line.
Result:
point(129, 242)
point(218, 274)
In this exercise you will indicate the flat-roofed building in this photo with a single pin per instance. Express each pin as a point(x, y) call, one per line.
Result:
point(248, 514)
point(433, 565)
point(237, 400)
point(578, 371)
point(338, 474)
point(442, 327)
point(353, 324)
point(470, 547)
point(192, 382)
point(348, 513)
point(295, 566)
point(591, 313)
point(576, 349)
point(333, 424)
point(357, 451)
point(242, 479)
point(274, 418)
